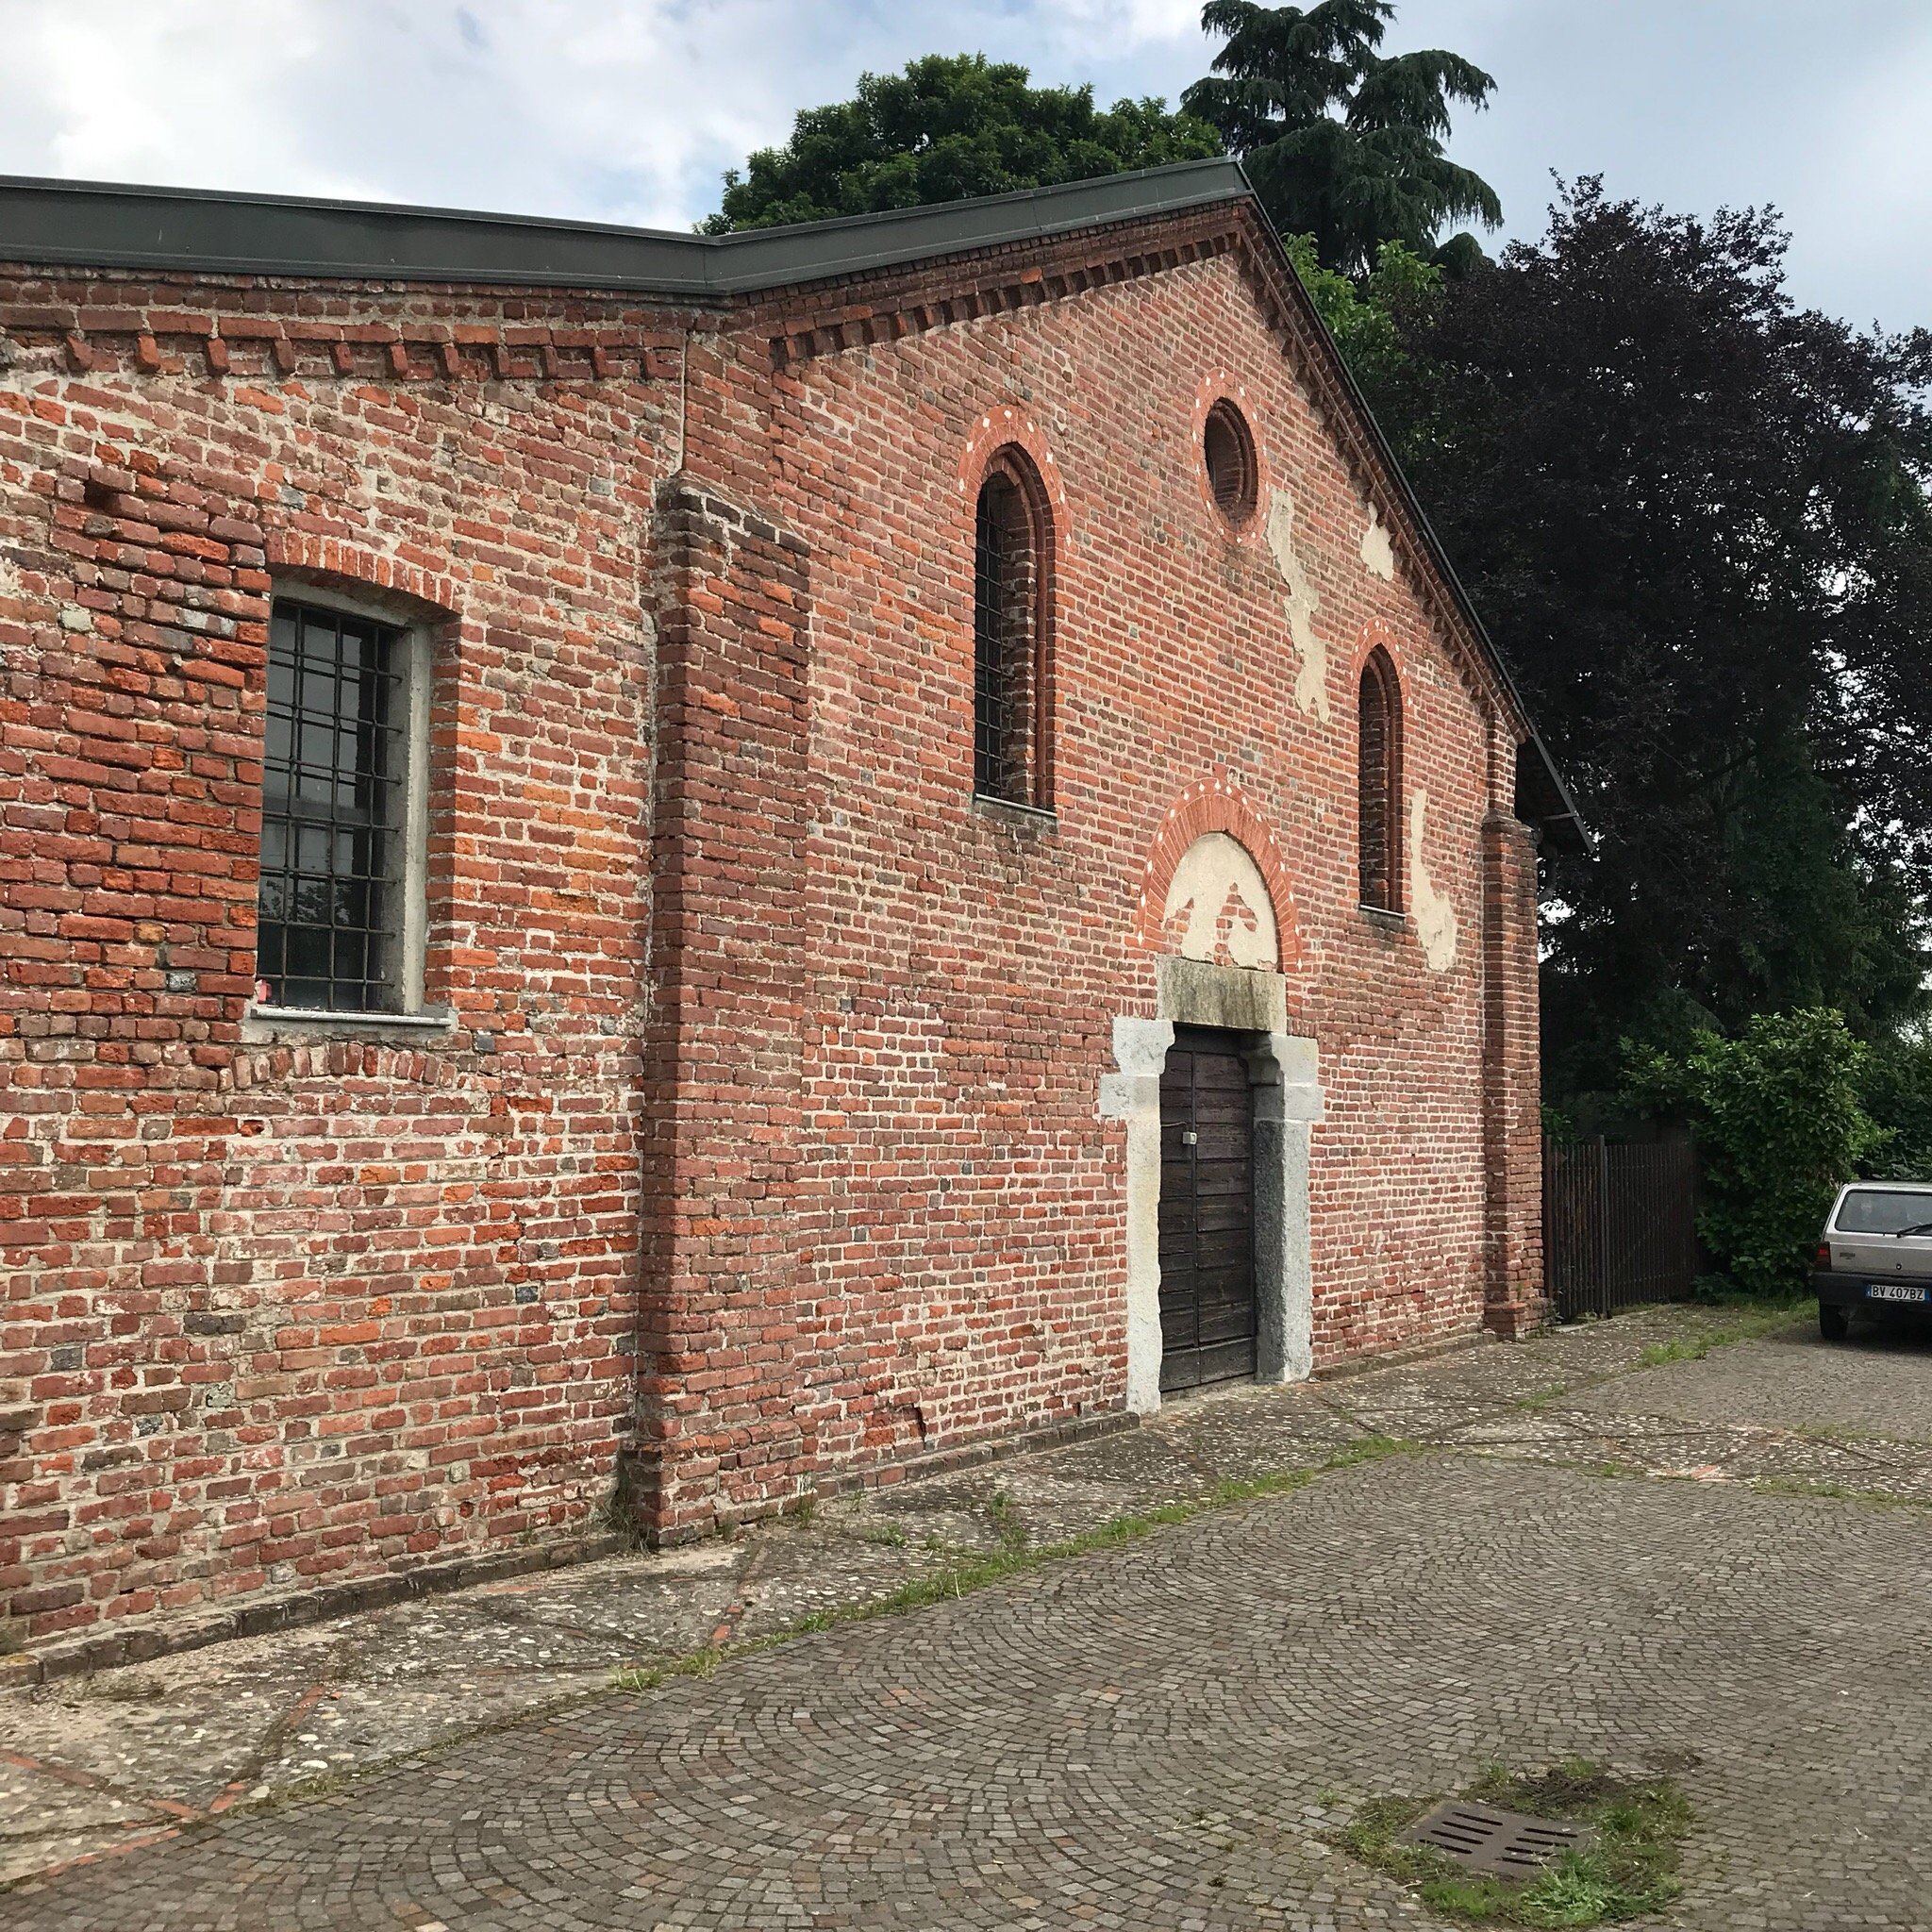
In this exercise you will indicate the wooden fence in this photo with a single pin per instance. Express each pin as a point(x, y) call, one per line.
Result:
point(1619, 1223)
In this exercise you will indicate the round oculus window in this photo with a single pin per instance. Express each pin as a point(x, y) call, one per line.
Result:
point(1227, 447)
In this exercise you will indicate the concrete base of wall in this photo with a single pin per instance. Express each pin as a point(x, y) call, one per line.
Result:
point(168, 1635)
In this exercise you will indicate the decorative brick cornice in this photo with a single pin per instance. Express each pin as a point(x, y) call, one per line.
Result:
point(154, 339)
point(1214, 804)
point(834, 316)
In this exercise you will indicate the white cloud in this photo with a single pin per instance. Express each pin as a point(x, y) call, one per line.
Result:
point(624, 111)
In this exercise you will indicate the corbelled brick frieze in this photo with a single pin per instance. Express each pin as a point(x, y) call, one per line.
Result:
point(142, 334)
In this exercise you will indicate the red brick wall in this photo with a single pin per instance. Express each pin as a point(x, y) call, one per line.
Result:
point(1513, 1156)
point(730, 941)
point(959, 1208)
point(765, 1143)
point(275, 1314)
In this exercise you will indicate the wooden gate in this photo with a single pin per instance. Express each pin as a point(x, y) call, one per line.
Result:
point(1619, 1223)
point(1207, 1213)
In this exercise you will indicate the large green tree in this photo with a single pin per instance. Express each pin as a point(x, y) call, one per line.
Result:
point(1696, 520)
point(949, 127)
point(1341, 141)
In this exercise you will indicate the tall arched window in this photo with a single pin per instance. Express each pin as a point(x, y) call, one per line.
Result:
point(1012, 569)
point(1379, 782)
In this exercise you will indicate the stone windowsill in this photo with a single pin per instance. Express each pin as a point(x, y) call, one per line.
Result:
point(262, 1025)
point(1383, 920)
point(1034, 817)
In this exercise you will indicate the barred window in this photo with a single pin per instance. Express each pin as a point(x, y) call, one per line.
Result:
point(1379, 782)
point(1010, 584)
point(334, 813)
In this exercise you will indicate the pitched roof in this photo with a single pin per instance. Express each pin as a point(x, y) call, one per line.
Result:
point(105, 225)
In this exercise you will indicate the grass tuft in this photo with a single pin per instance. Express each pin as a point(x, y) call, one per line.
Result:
point(1541, 1398)
point(887, 1536)
point(1837, 1492)
point(1629, 1871)
point(968, 1573)
point(1749, 1320)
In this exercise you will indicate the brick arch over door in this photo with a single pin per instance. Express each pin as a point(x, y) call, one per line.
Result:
point(1214, 804)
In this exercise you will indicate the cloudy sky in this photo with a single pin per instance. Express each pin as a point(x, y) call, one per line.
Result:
point(627, 109)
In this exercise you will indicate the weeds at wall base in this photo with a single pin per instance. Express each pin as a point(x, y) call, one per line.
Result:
point(974, 1573)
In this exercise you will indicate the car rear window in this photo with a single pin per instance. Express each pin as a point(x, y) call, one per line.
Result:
point(1882, 1210)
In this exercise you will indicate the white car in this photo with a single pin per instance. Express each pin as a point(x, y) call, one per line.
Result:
point(1877, 1254)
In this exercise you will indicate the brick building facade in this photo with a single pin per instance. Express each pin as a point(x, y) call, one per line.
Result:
point(791, 725)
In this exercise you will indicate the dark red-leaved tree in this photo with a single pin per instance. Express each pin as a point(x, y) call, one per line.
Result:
point(1695, 518)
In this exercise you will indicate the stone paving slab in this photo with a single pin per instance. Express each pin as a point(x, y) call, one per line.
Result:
point(88, 1764)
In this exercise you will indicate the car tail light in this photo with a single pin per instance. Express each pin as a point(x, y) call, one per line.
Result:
point(1824, 1253)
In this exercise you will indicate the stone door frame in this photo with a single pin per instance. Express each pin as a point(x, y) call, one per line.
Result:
point(1283, 1074)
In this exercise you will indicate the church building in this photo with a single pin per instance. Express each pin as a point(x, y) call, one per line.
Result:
point(642, 875)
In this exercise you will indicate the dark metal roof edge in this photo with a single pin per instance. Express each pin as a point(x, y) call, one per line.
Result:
point(951, 227)
point(1567, 819)
point(106, 225)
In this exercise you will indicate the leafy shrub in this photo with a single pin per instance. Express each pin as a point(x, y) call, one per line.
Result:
point(1898, 1095)
point(1781, 1124)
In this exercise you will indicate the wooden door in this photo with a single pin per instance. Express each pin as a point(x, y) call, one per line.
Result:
point(1207, 1213)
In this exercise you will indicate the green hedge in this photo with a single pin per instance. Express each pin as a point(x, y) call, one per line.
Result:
point(1781, 1118)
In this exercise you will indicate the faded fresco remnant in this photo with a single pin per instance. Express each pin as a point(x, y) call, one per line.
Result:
point(1379, 554)
point(1218, 908)
point(1435, 918)
point(1311, 680)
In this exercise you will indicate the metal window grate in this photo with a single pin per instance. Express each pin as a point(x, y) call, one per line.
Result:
point(331, 812)
point(1003, 641)
point(1511, 1844)
point(1376, 782)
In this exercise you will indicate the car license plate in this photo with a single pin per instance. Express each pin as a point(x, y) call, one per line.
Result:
point(1892, 1291)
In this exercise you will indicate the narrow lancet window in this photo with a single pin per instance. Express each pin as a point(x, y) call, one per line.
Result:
point(1008, 610)
point(1379, 783)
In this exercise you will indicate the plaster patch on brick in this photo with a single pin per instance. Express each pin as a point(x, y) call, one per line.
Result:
point(1217, 907)
point(1311, 680)
point(1378, 553)
point(1435, 918)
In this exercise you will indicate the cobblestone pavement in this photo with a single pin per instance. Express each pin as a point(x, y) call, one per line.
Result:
point(1160, 1733)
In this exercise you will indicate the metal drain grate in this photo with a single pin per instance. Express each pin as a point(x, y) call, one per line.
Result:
point(1509, 1843)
